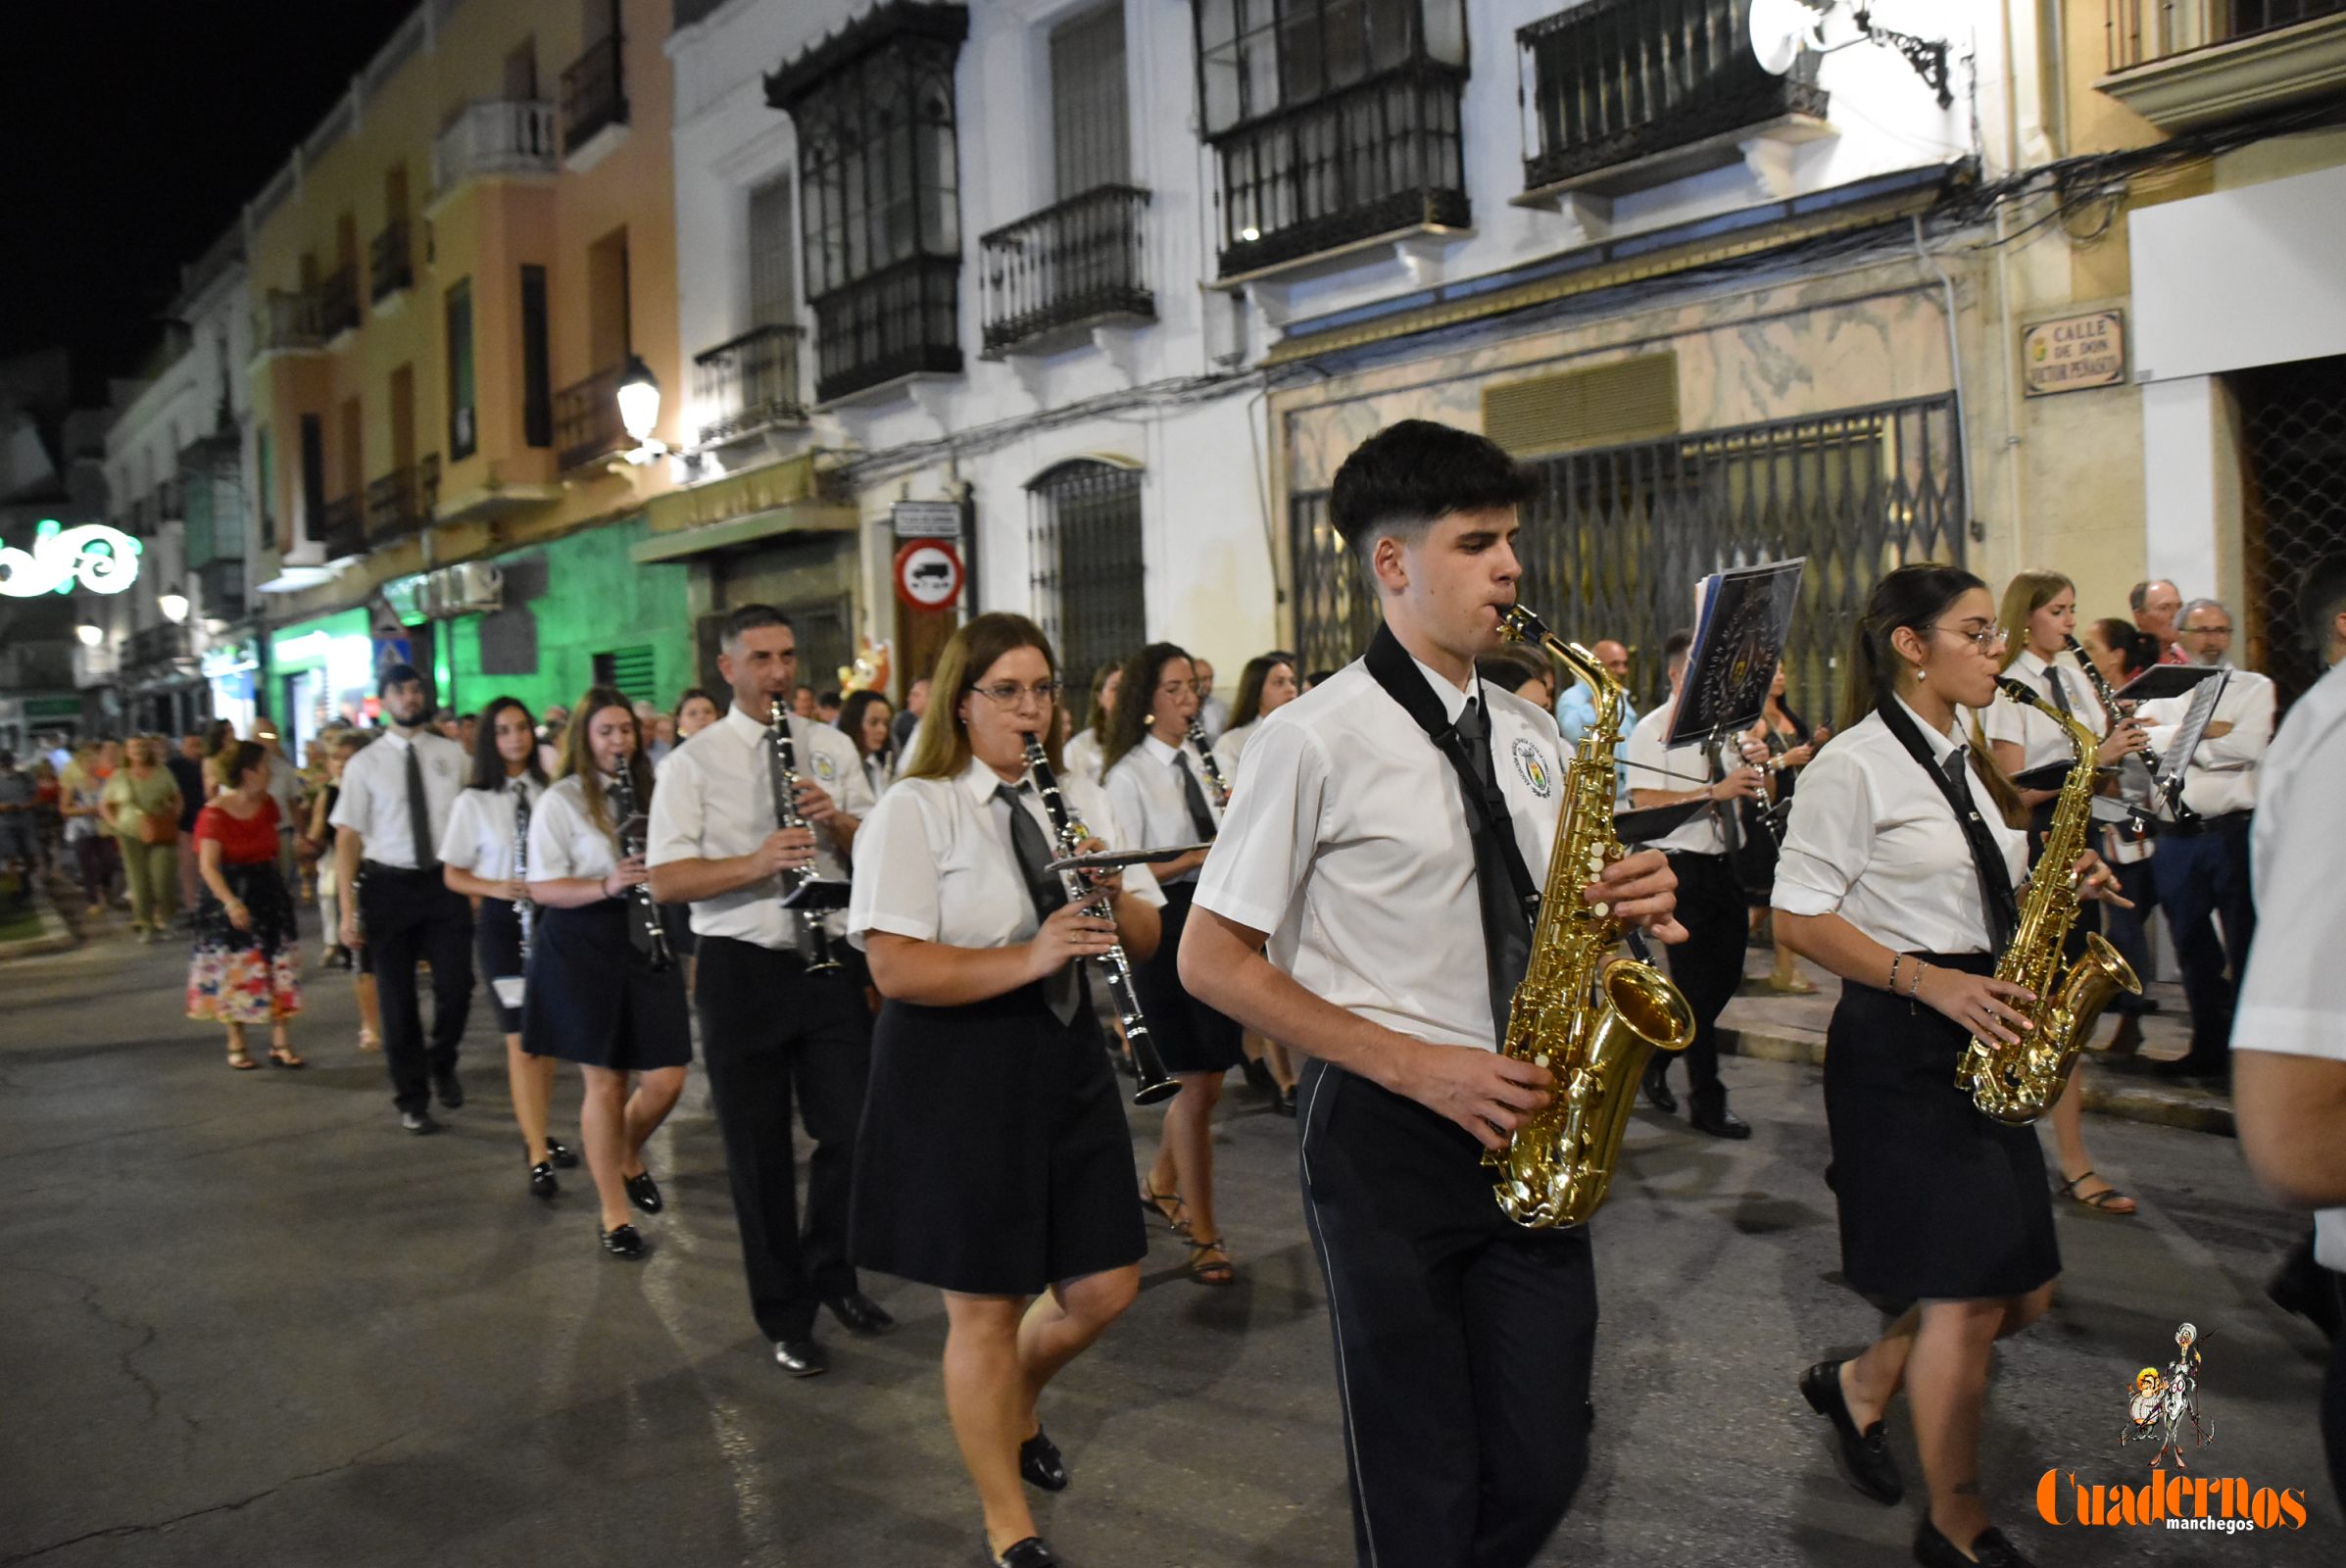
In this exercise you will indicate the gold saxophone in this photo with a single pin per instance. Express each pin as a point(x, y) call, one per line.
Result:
point(2017, 1084)
point(1587, 1018)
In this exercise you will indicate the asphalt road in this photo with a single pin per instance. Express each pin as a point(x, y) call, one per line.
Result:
point(250, 1322)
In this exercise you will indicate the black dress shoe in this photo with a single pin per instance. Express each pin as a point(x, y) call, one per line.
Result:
point(1258, 1075)
point(1990, 1549)
point(623, 1242)
point(418, 1122)
point(451, 1092)
point(1283, 1103)
point(1720, 1124)
point(644, 1193)
point(557, 1155)
point(1657, 1089)
point(1040, 1462)
point(801, 1358)
point(1032, 1552)
point(860, 1314)
point(541, 1181)
point(1865, 1456)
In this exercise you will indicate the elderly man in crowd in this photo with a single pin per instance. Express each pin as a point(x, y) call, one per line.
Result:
point(2156, 604)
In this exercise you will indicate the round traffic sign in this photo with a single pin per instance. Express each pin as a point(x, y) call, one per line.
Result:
point(928, 575)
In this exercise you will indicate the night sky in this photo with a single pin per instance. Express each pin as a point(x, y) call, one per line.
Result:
point(134, 132)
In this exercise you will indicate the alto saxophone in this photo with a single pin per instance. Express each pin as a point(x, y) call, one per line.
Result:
point(2018, 1083)
point(1587, 1017)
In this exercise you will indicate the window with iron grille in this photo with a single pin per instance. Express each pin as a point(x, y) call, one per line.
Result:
point(1616, 538)
point(2293, 503)
point(629, 670)
point(1083, 540)
point(1330, 120)
point(879, 184)
point(1090, 104)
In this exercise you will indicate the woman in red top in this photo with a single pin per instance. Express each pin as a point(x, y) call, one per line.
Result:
point(246, 965)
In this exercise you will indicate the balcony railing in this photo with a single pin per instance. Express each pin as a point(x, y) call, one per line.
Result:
point(586, 420)
point(489, 138)
point(1084, 259)
point(342, 529)
point(391, 263)
point(901, 320)
point(592, 94)
point(1377, 158)
point(1617, 82)
point(2143, 30)
point(288, 322)
point(401, 502)
point(159, 644)
point(338, 302)
point(222, 583)
point(750, 383)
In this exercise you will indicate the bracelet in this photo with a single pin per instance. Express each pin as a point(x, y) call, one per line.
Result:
point(1896, 958)
point(1914, 988)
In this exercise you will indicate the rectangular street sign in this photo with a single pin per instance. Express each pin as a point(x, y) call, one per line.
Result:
point(926, 520)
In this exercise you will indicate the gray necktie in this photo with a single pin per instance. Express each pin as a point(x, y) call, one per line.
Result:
point(2060, 690)
point(1193, 795)
point(420, 814)
point(1062, 989)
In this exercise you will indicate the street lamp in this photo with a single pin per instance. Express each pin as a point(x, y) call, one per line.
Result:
point(639, 409)
point(90, 635)
point(173, 604)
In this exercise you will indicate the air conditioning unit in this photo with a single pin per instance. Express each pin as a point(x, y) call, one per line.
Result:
point(475, 588)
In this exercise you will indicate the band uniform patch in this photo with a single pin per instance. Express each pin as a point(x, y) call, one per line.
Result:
point(1532, 764)
point(826, 770)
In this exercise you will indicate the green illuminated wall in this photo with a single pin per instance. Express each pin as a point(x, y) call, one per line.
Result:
point(596, 601)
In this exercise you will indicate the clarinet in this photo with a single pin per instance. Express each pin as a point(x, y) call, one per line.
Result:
point(644, 928)
point(2184, 815)
point(1155, 1083)
point(523, 910)
point(1216, 786)
point(781, 766)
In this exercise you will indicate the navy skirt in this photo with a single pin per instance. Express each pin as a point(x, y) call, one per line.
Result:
point(1189, 1036)
point(592, 1000)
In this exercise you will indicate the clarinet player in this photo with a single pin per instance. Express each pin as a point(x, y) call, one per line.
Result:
point(775, 1030)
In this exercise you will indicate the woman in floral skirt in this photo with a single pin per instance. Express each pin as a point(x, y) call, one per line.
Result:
point(247, 964)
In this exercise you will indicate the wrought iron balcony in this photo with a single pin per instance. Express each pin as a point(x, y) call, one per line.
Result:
point(586, 420)
point(401, 502)
point(2184, 63)
point(902, 320)
point(342, 529)
point(162, 642)
point(288, 322)
point(491, 138)
point(593, 98)
point(750, 383)
point(1621, 82)
point(391, 264)
point(338, 302)
point(1084, 259)
point(1377, 158)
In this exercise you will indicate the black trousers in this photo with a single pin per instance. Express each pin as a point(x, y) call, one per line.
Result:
point(1463, 1341)
point(410, 915)
point(770, 1034)
point(2202, 883)
point(2128, 930)
point(1707, 967)
point(2333, 1400)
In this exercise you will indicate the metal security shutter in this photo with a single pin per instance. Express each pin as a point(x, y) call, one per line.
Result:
point(1085, 542)
point(628, 670)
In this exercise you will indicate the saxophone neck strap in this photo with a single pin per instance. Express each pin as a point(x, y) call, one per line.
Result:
point(1996, 899)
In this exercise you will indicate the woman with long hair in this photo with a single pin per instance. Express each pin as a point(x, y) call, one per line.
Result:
point(2037, 617)
point(1791, 744)
point(1267, 684)
point(360, 961)
point(220, 745)
point(1084, 752)
point(864, 719)
point(141, 809)
point(247, 967)
point(81, 798)
point(994, 1158)
point(1155, 782)
point(476, 859)
point(593, 997)
point(1899, 874)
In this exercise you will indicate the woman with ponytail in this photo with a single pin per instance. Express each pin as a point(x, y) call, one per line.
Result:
point(1899, 874)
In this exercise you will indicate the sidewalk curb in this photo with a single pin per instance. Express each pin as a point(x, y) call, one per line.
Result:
point(2193, 1110)
point(55, 936)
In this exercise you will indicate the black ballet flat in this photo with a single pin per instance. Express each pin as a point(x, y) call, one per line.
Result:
point(559, 1155)
point(1865, 1456)
point(1032, 1552)
point(623, 1242)
point(1038, 1462)
point(1990, 1549)
point(541, 1181)
point(1656, 1085)
point(644, 1193)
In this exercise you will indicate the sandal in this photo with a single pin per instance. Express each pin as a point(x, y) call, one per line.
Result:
point(284, 1056)
point(1789, 985)
point(241, 1062)
point(2106, 1202)
point(1156, 1203)
point(1207, 1272)
point(368, 1041)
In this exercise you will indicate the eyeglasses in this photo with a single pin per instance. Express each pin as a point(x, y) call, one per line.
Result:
point(1987, 639)
point(1004, 694)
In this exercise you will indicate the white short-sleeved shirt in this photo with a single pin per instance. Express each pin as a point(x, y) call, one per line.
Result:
point(480, 832)
point(1145, 790)
point(1230, 747)
point(1085, 755)
point(2222, 774)
point(1349, 847)
point(374, 793)
point(715, 801)
point(564, 840)
point(2040, 740)
point(934, 860)
point(2293, 998)
point(1872, 840)
point(1675, 771)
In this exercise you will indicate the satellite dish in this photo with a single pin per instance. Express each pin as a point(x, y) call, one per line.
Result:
point(1781, 30)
